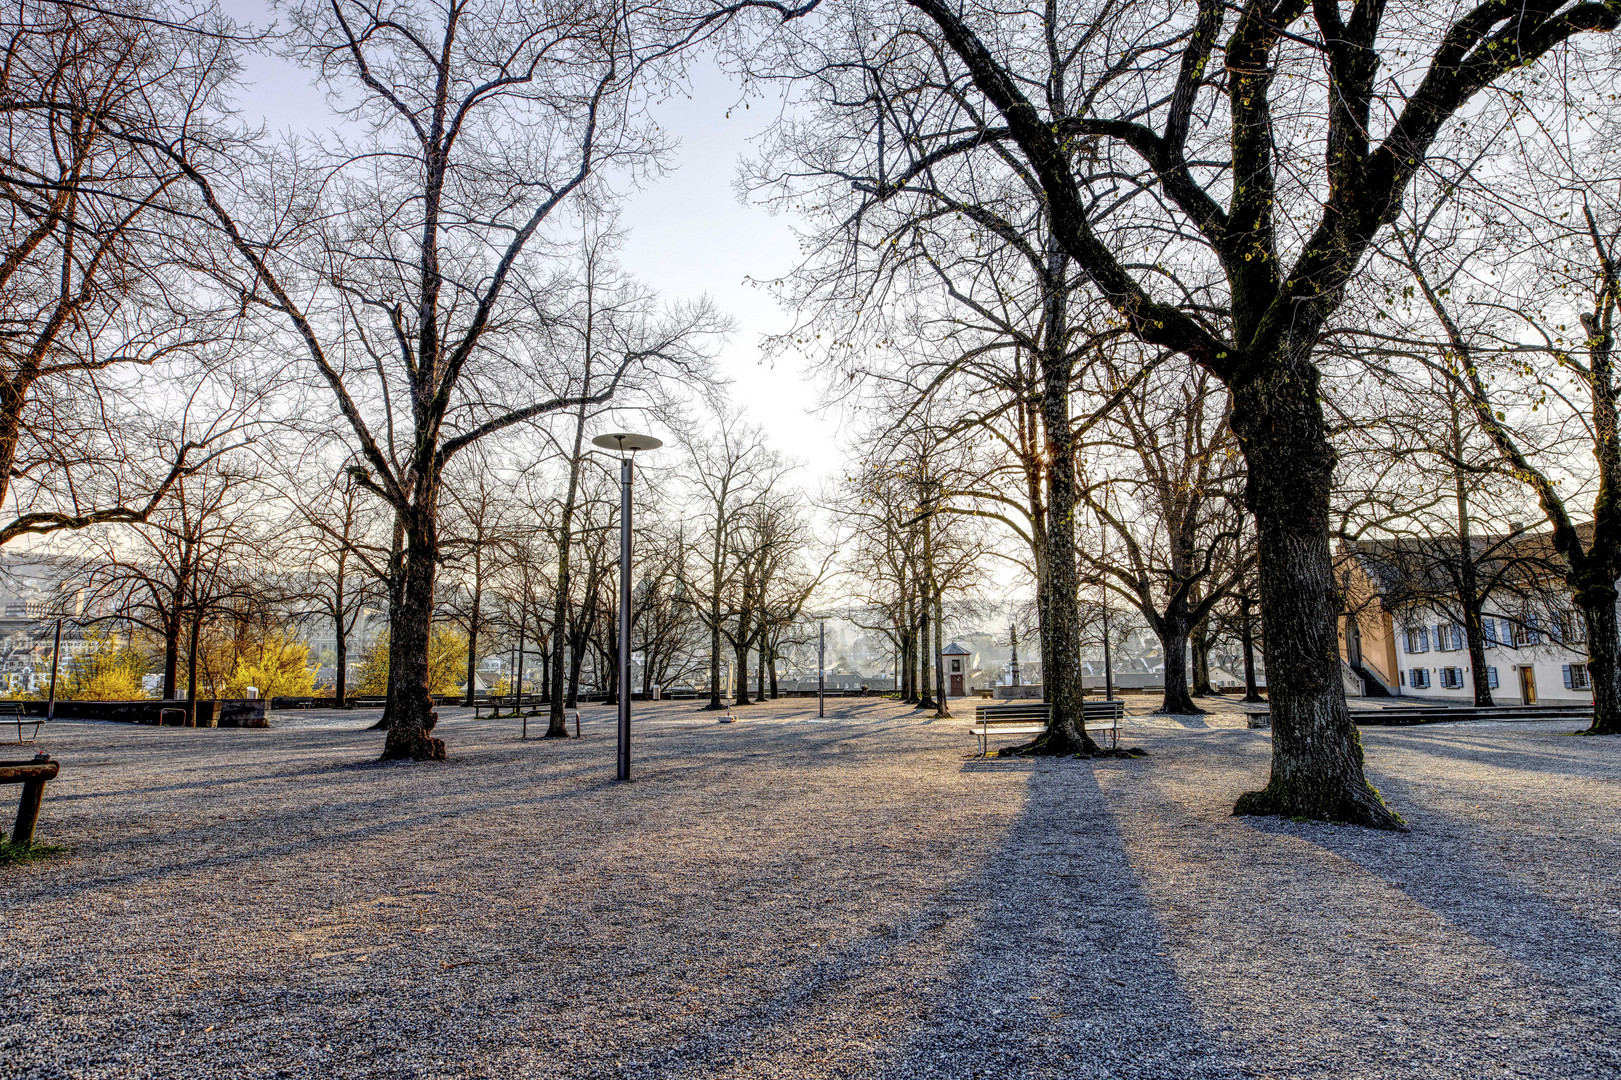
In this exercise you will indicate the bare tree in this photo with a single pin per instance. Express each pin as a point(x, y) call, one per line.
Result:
point(1211, 233)
point(96, 287)
point(479, 121)
point(1168, 492)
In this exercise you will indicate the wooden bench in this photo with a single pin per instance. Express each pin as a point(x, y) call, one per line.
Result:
point(32, 776)
point(498, 701)
point(1031, 718)
point(11, 715)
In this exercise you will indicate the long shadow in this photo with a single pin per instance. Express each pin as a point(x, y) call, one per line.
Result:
point(1447, 874)
point(385, 808)
point(1047, 961)
point(1447, 744)
point(1560, 959)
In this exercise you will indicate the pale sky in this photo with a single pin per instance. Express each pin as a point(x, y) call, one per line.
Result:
point(688, 235)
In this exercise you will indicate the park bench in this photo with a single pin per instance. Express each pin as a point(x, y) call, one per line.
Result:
point(1030, 718)
point(32, 776)
point(497, 702)
point(11, 715)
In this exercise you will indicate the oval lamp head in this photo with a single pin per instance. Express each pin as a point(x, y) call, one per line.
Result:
point(625, 442)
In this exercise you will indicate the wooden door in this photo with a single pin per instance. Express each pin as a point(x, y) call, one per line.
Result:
point(956, 686)
point(1528, 686)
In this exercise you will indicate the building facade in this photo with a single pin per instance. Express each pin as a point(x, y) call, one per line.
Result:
point(1392, 647)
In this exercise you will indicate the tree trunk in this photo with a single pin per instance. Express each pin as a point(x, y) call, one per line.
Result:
point(547, 655)
point(774, 675)
point(740, 653)
point(1252, 690)
point(171, 656)
point(472, 635)
point(191, 671)
point(412, 714)
point(1476, 640)
point(714, 660)
point(925, 699)
point(578, 643)
point(1058, 579)
point(759, 675)
point(396, 586)
point(1199, 646)
point(1173, 636)
point(340, 677)
point(940, 660)
point(555, 727)
point(1317, 768)
point(1597, 603)
point(1468, 573)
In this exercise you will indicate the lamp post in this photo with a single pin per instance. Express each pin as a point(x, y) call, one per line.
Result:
point(627, 445)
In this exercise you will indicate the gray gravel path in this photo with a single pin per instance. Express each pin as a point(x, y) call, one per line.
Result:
point(790, 898)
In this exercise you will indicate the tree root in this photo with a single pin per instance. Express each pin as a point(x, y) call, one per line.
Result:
point(418, 747)
point(1351, 805)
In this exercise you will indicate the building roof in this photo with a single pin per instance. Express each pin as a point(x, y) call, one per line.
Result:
point(953, 650)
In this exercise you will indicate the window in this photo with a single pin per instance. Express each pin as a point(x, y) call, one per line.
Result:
point(1420, 678)
point(1573, 628)
point(1525, 633)
point(1448, 637)
point(1452, 678)
point(1576, 677)
point(956, 667)
point(1418, 639)
point(1491, 678)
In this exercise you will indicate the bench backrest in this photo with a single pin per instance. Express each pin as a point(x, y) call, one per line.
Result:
point(1037, 711)
point(11, 708)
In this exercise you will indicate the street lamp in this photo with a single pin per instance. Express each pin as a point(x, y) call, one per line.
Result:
point(627, 445)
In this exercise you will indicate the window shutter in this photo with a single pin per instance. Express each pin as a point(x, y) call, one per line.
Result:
point(1423, 639)
point(1491, 678)
point(1568, 684)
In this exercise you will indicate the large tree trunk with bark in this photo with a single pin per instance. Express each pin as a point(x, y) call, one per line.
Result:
point(1317, 768)
point(1061, 617)
point(1174, 632)
point(412, 716)
point(1597, 603)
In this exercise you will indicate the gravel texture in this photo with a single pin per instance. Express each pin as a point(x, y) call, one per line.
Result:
point(784, 897)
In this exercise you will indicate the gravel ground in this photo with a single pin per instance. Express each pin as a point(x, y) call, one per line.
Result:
point(790, 898)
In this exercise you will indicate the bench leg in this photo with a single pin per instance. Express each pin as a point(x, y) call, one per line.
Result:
point(22, 833)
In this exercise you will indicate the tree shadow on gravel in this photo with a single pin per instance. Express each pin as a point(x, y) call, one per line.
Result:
point(1549, 757)
point(283, 832)
point(1445, 869)
point(1048, 962)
